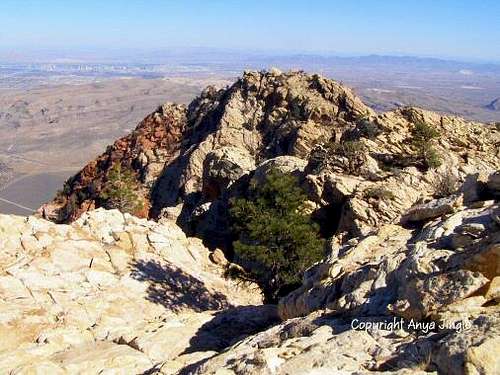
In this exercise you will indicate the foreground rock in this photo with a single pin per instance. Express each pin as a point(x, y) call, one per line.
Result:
point(112, 293)
point(116, 294)
point(395, 301)
point(322, 344)
point(428, 274)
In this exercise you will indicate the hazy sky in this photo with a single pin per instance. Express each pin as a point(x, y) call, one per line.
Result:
point(441, 28)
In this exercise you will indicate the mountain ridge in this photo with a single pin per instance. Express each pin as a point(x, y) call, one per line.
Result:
point(224, 135)
point(409, 238)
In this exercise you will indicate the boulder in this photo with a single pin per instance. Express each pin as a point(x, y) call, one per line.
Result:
point(283, 164)
point(222, 167)
point(433, 209)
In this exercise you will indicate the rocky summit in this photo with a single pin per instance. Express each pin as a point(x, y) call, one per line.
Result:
point(190, 160)
point(409, 283)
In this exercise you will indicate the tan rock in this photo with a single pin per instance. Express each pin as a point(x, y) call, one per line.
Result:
point(90, 304)
point(487, 262)
point(484, 358)
point(493, 292)
point(122, 239)
point(218, 257)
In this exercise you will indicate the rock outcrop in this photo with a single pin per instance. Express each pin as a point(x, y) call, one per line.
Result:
point(413, 275)
point(358, 167)
point(155, 141)
point(396, 301)
point(410, 244)
point(113, 293)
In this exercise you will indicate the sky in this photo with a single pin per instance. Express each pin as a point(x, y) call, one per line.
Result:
point(437, 28)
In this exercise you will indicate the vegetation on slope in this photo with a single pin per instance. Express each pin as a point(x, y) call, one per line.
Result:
point(120, 191)
point(423, 136)
point(277, 240)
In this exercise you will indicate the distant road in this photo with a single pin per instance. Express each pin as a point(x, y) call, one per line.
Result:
point(23, 195)
point(30, 210)
point(25, 159)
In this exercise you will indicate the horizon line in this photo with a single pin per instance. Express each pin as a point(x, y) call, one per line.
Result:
point(121, 53)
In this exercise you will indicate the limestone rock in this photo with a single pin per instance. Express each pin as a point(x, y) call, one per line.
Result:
point(414, 276)
point(432, 209)
point(368, 174)
point(117, 293)
point(283, 164)
point(331, 321)
point(218, 257)
point(222, 167)
point(110, 293)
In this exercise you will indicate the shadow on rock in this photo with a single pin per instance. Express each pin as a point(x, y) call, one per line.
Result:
point(176, 290)
point(232, 325)
point(416, 355)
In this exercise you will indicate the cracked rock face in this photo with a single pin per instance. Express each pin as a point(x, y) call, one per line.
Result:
point(442, 300)
point(322, 344)
point(111, 292)
point(414, 275)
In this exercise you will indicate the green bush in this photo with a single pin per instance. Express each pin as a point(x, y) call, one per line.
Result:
point(422, 139)
point(423, 132)
point(120, 191)
point(368, 129)
point(277, 240)
point(432, 159)
point(349, 149)
point(352, 151)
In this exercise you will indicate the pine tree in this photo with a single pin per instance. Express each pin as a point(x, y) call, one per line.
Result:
point(423, 136)
point(277, 240)
point(120, 191)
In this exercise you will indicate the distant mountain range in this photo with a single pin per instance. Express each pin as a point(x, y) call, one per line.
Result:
point(219, 56)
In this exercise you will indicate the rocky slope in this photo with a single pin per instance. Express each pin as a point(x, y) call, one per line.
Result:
point(113, 292)
point(406, 243)
point(443, 277)
point(208, 152)
point(155, 141)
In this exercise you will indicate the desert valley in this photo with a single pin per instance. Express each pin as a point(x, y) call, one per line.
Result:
point(56, 117)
